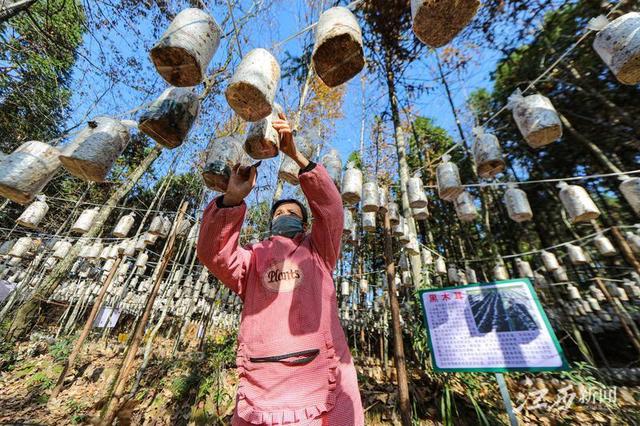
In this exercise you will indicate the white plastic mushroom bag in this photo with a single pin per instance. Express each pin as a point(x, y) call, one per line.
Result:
point(536, 118)
point(253, 86)
point(184, 51)
point(618, 44)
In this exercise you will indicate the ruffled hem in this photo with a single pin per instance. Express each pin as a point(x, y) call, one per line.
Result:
point(255, 415)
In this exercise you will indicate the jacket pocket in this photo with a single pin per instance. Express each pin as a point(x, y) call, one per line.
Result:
point(287, 381)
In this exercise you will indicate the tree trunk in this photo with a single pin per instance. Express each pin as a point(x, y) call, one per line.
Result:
point(602, 158)
point(27, 314)
point(398, 344)
point(403, 168)
point(8, 11)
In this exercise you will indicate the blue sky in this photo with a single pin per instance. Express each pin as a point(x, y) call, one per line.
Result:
point(128, 38)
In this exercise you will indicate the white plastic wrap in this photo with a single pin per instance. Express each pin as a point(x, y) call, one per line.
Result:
point(471, 275)
point(351, 185)
point(500, 272)
point(338, 54)
point(155, 227)
point(517, 204)
point(577, 255)
point(524, 269)
point(415, 193)
point(634, 242)
point(578, 204)
point(253, 86)
point(536, 118)
point(420, 214)
point(618, 44)
point(383, 199)
point(21, 247)
point(394, 213)
point(33, 215)
point(61, 249)
point(27, 170)
point(289, 169)
point(604, 246)
point(348, 223)
point(370, 197)
point(560, 275)
point(369, 221)
point(487, 153)
point(550, 261)
point(124, 225)
point(85, 221)
point(440, 266)
point(449, 183)
point(263, 140)
point(222, 155)
point(332, 162)
point(93, 152)
point(630, 188)
point(465, 208)
point(184, 51)
point(170, 117)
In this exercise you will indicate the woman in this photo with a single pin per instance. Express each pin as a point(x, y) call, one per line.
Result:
point(293, 359)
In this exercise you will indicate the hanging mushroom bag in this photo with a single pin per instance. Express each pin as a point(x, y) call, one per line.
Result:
point(184, 51)
point(437, 22)
point(27, 170)
point(170, 117)
point(253, 86)
point(536, 118)
point(92, 153)
point(338, 55)
point(618, 44)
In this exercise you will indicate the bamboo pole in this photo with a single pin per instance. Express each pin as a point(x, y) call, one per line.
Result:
point(398, 345)
point(627, 253)
point(69, 363)
point(115, 400)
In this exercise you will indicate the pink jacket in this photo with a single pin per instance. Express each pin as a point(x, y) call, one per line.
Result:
point(293, 359)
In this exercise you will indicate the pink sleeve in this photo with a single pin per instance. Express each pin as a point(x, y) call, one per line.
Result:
point(218, 247)
point(326, 208)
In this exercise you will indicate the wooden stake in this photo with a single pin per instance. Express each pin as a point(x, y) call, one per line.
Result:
point(398, 345)
point(69, 363)
point(116, 399)
point(627, 253)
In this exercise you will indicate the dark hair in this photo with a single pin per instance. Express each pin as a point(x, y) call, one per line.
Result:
point(305, 215)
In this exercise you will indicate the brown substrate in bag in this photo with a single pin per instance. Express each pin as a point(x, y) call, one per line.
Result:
point(248, 101)
point(177, 66)
point(338, 60)
point(438, 22)
point(545, 136)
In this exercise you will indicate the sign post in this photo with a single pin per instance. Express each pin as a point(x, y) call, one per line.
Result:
point(506, 399)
